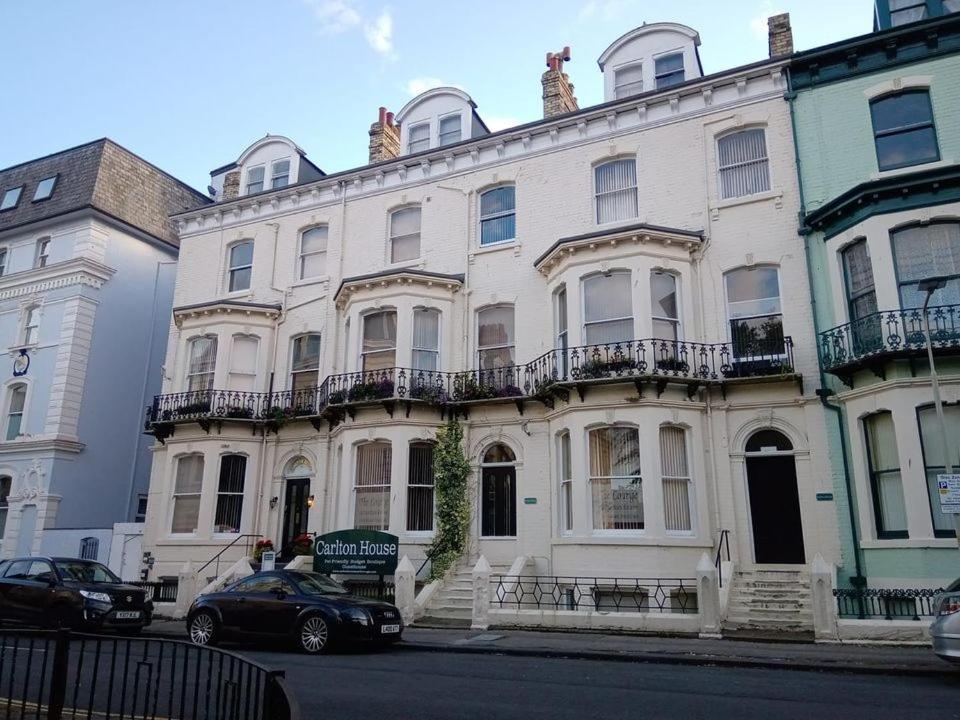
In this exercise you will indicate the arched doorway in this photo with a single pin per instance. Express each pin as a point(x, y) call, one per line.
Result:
point(296, 501)
point(774, 499)
point(498, 492)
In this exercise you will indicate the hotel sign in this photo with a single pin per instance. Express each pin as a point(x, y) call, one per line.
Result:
point(356, 552)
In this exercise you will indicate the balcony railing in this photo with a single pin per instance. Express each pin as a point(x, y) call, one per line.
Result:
point(883, 335)
point(659, 360)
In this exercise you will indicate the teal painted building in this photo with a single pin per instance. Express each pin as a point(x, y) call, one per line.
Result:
point(877, 128)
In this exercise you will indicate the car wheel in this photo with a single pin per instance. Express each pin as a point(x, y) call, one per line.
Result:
point(203, 628)
point(314, 635)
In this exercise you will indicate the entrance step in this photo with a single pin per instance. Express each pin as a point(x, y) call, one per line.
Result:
point(431, 621)
point(770, 602)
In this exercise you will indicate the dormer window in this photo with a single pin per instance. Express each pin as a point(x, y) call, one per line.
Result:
point(450, 130)
point(668, 70)
point(419, 138)
point(254, 180)
point(907, 11)
point(628, 81)
point(280, 174)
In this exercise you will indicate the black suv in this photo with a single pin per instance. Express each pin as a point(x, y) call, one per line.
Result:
point(65, 592)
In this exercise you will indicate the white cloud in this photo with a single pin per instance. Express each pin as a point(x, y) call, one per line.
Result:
point(379, 33)
point(334, 16)
point(418, 85)
point(758, 23)
point(501, 122)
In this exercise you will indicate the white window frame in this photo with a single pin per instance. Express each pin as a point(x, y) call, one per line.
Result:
point(481, 218)
point(565, 518)
point(262, 182)
point(414, 348)
point(583, 310)
point(678, 320)
point(42, 252)
point(233, 371)
point(357, 488)
point(8, 409)
point(411, 142)
point(392, 238)
point(617, 86)
point(303, 255)
point(440, 133)
point(362, 335)
point(511, 345)
point(688, 456)
point(3, 261)
point(683, 68)
point(726, 303)
point(601, 532)
point(315, 370)
point(190, 373)
point(411, 485)
point(274, 175)
point(30, 330)
point(230, 494)
point(597, 193)
point(175, 495)
point(763, 162)
point(231, 269)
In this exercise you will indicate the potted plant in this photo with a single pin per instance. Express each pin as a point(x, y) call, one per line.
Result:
point(302, 544)
point(261, 547)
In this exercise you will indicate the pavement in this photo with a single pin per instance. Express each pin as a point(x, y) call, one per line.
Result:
point(833, 657)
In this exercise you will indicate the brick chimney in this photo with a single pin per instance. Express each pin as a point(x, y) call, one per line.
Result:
point(384, 138)
point(558, 97)
point(780, 35)
point(231, 185)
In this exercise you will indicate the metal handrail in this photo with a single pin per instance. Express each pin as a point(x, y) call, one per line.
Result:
point(887, 332)
point(724, 541)
point(216, 558)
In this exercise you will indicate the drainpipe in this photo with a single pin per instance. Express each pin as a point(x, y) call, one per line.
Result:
point(824, 392)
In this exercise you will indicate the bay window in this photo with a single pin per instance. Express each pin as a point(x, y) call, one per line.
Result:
point(379, 350)
point(243, 363)
point(923, 252)
point(426, 339)
point(935, 458)
point(187, 487)
point(743, 163)
point(607, 308)
point(405, 234)
point(420, 488)
point(903, 130)
point(886, 482)
point(495, 338)
point(666, 311)
point(615, 184)
point(615, 481)
point(861, 297)
point(372, 486)
point(202, 363)
point(675, 474)
point(565, 474)
point(233, 469)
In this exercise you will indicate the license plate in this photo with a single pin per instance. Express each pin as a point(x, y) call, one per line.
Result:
point(389, 629)
point(127, 615)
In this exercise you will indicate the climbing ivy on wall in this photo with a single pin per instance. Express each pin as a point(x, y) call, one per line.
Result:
point(450, 472)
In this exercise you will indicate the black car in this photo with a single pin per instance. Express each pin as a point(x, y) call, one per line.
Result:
point(308, 608)
point(71, 593)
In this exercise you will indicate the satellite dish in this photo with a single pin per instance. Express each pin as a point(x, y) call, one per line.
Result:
point(211, 190)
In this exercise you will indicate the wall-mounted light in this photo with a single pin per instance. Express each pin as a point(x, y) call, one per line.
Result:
point(273, 502)
point(310, 501)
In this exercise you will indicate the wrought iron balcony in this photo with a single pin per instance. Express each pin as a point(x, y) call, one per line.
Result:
point(871, 341)
point(657, 361)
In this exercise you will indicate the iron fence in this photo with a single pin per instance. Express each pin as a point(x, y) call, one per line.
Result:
point(889, 332)
point(886, 603)
point(371, 589)
point(59, 674)
point(164, 590)
point(554, 592)
point(653, 358)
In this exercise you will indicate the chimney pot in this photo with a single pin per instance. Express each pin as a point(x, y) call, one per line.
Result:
point(389, 119)
point(384, 138)
point(558, 97)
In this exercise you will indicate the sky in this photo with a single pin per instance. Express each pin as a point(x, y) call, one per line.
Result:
point(189, 84)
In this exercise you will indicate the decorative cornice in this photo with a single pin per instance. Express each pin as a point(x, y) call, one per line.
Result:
point(225, 307)
point(916, 42)
point(878, 197)
point(641, 112)
point(353, 285)
point(76, 271)
point(639, 234)
point(39, 444)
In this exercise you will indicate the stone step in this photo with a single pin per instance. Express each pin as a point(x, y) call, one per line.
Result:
point(452, 602)
point(451, 613)
point(434, 621)
point(749, 596)
point(770, 622)
point(466, 593)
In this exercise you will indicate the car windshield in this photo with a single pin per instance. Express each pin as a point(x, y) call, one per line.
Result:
point(317, 584)
point(87, 572)
point(954, 587)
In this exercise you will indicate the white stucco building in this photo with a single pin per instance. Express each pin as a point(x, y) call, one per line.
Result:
point(613, 300)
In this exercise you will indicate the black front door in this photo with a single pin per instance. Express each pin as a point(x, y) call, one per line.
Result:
point(499, 502)
point(775, 510)
point(294, 513)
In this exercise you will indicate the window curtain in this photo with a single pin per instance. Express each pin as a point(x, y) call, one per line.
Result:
point(676, 479)
point(187, 488)
point(372, 509)
point(608, 308)
point(744, 166)
point(405, 234)
point(885, 471)
point(616, 186)
point(935, 458)
point(420, 488)
point(924, 252)
point(615, 479)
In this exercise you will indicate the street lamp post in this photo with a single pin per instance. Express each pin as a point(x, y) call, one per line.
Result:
point(930, 286)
